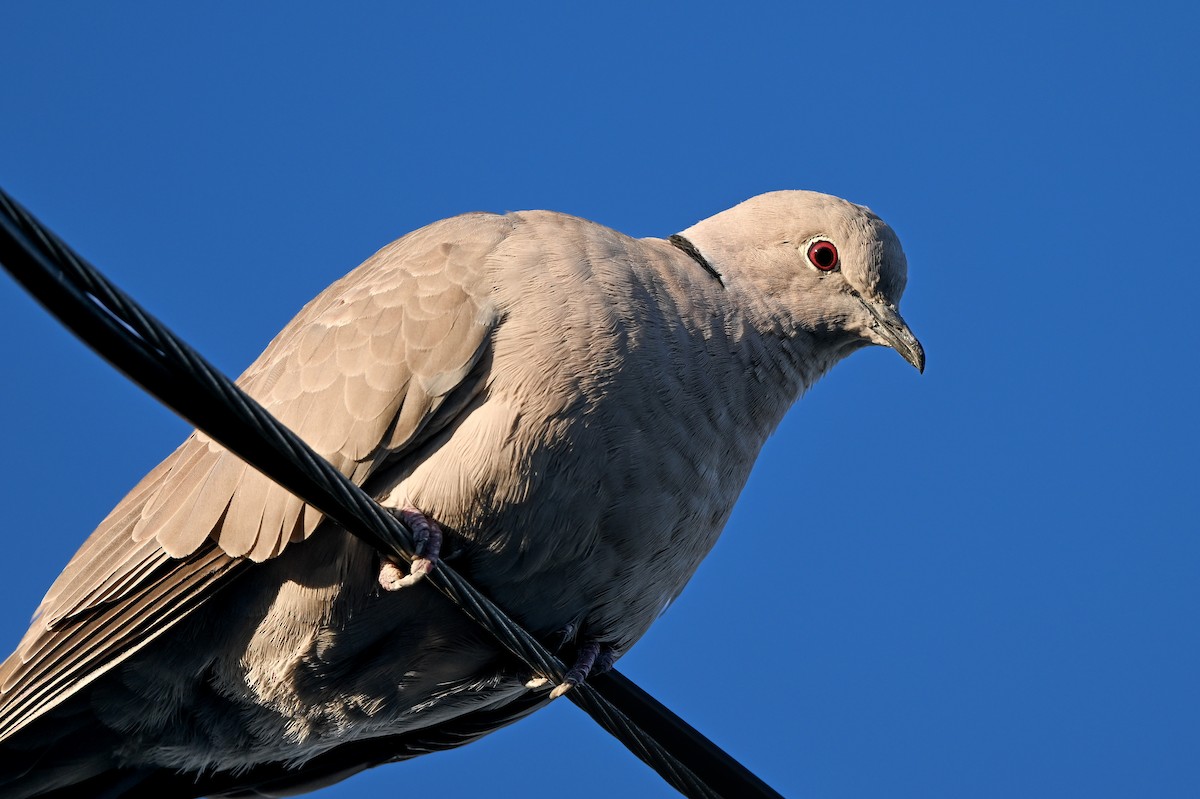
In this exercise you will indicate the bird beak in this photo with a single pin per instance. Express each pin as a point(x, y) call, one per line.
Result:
point(890, 330)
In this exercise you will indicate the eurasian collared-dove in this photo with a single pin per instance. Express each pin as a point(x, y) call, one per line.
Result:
point(575, 410)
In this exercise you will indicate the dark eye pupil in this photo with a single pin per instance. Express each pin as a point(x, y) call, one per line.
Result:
point(823, 255)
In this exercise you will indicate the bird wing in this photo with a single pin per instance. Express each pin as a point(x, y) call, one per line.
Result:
point(366, 372)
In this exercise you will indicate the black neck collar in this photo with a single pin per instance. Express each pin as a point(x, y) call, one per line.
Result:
point(693, 253)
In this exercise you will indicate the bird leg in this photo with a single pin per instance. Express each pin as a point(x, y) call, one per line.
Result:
point(593, 658)
point(427, 543)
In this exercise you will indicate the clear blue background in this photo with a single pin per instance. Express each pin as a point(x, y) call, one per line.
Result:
point(981, 582)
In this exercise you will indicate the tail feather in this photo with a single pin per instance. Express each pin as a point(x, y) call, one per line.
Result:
point(53, 758)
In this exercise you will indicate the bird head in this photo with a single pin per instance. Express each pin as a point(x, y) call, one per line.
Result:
point(810, 264)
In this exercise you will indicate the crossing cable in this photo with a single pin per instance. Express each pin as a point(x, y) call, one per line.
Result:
point(142, 348)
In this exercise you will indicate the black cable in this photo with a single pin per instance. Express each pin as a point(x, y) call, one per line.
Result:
point(149, 354)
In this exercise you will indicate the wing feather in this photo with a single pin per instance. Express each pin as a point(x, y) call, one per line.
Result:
point(358, 374)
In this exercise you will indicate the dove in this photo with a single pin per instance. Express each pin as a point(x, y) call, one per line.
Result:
point(564, 413)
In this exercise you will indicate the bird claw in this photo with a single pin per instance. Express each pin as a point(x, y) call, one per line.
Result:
point(392, 578)
point(593, 658)
point(427, 540)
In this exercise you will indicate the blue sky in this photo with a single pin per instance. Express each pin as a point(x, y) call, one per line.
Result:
point(979, 582)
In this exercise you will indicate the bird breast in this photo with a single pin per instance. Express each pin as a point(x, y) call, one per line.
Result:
point(597, 468)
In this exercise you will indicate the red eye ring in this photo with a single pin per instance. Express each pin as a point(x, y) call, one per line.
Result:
point(823, 255)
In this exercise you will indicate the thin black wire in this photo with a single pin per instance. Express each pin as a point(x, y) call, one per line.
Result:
point(137, 344)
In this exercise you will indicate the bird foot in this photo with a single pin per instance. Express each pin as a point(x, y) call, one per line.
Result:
point(427, 540)
point(593, 658)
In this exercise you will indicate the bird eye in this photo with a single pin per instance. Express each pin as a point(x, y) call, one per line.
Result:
point(823, 255)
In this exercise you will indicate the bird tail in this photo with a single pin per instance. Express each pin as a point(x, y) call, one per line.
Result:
point(63, 756)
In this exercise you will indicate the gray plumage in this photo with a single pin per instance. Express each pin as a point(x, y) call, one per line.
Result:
point(577, 409)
